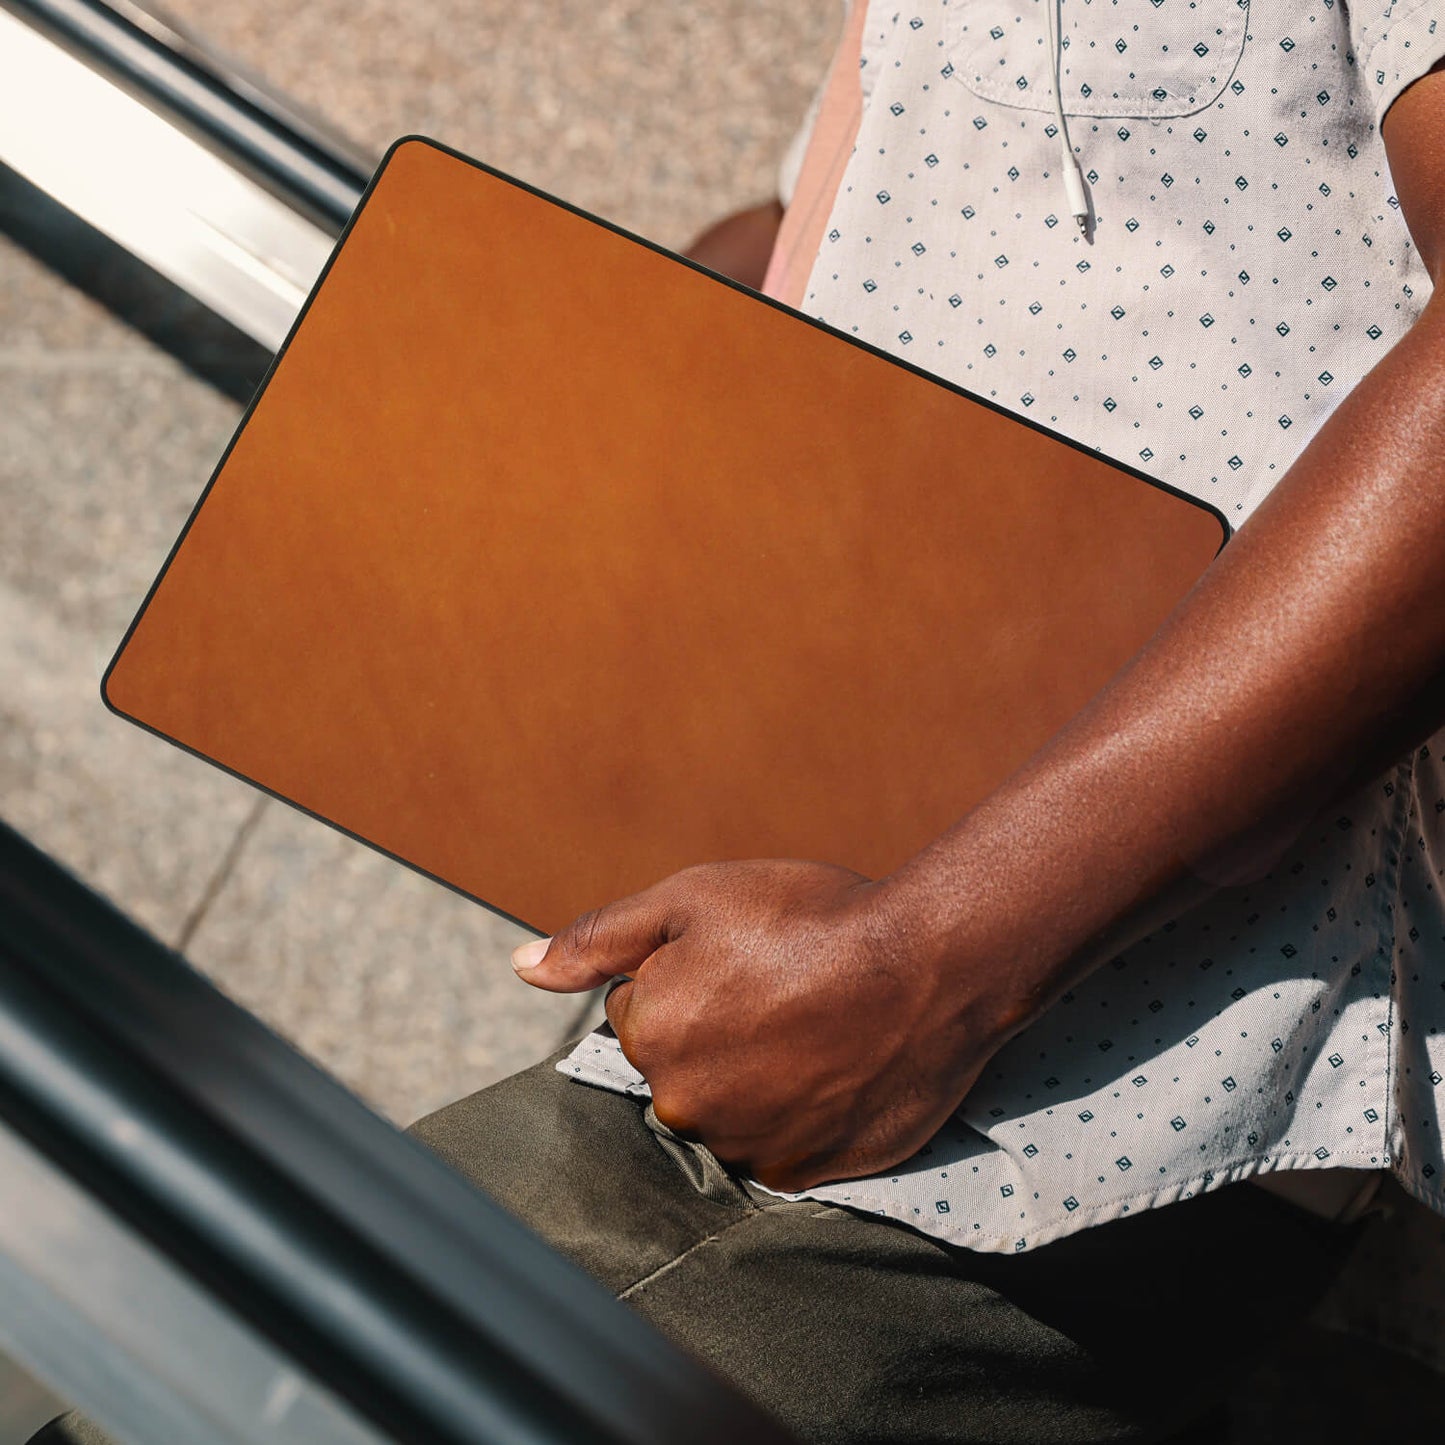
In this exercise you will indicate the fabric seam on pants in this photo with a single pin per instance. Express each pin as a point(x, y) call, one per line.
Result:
point(677, 1259)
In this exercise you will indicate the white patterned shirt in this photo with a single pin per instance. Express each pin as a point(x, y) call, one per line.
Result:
point(1247, 264)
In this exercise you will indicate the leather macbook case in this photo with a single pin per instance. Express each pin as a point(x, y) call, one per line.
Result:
point(549, 563)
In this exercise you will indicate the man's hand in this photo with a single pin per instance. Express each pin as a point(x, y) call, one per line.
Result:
point(781, 1014)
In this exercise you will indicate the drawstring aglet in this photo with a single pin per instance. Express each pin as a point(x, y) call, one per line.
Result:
point(1074, 188)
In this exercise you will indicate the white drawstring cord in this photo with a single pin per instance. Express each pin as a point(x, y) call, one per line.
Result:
point(1073, 177)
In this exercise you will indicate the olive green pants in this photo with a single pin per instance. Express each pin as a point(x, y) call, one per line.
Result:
point(855, 1329)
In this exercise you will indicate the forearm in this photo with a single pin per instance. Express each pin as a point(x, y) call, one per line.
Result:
point(1316, 636)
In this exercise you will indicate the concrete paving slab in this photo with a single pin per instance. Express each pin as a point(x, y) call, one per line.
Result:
point(104, 444)
point(104, 455)
point(397, 985)
point(134, 817)
point(660, 117)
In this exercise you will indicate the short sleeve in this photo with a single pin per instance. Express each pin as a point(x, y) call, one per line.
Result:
point(1395, 42)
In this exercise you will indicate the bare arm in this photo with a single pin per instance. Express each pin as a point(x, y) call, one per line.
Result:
point(808, 1024)
point(1318, 634)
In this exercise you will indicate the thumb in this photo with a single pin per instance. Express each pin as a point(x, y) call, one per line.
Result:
point(594, 948)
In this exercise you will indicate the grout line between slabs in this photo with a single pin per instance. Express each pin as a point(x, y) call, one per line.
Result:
point(218, 880)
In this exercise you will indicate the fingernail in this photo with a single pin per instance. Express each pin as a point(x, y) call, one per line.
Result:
point(529, 955)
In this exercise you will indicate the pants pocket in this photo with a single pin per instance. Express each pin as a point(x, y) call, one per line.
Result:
point(699, 1165)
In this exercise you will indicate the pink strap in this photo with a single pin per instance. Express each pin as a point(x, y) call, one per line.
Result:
point(829, 147)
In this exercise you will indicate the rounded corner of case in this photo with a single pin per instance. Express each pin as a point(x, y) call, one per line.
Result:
point(107, 693)
point(411, 141)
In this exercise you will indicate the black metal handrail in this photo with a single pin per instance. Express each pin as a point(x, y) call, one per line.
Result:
point(354, 1249)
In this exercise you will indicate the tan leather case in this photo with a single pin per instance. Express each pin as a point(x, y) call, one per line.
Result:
point(550, 564)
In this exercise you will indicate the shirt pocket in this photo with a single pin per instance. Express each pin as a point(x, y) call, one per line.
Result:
point(1147, 59)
